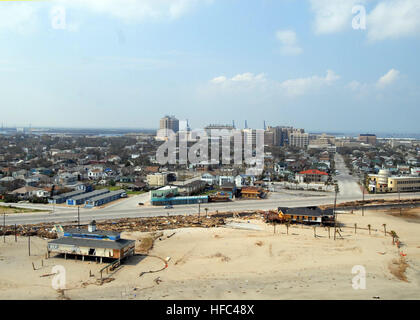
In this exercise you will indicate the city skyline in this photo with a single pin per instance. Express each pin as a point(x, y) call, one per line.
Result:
point(124, 65)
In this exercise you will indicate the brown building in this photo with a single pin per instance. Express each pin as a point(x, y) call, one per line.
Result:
point(251, 192)
point(367, 138)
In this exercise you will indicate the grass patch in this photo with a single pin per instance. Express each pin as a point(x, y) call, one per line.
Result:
point(135, 192)
point(114, 188)
point(10, 209)
point(397, 267)
point(146, 242)
point(222, 257)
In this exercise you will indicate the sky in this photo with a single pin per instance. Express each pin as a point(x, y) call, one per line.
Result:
point(326, 66)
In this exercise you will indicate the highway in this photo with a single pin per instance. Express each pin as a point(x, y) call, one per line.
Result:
point(349, 190)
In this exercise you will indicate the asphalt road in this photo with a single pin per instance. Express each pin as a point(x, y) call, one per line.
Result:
point(129, 208)
point(347, 183)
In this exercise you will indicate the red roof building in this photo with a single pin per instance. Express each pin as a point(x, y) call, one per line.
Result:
point(314, 171)
point(312, 176)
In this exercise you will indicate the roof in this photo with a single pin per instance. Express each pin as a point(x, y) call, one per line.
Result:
point(306, 211)
point(119, 244)
point(90, 194)
point(25, 189)
point(107, 195)
point(181, 198)
point(82, 232)
point(251, 190)
point(314, 171)
point(167, 188)
point(68, 194)
point(228, 185)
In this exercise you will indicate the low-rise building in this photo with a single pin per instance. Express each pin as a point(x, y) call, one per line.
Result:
point(307, 215)
point(252, 192)
point(157, 179)
point(62, 198)
point(312, 176)
point(209, 179)
point(368, 138)
point(81, 199)
point(29, 192)
point(384, 182)
point(91, 242)
point(105, 198)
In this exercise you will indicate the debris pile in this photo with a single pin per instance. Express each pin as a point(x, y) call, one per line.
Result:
point(160, 223)
point(359, 203)
point(45, 230)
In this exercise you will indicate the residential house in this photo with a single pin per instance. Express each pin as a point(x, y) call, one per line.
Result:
point(209, 179)
point(29, 192)
point(312, 176)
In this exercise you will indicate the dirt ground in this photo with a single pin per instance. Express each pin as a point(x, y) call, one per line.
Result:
point(244, 260)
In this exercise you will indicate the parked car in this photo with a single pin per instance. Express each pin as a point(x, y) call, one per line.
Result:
point(169, 206)
point(141, 203)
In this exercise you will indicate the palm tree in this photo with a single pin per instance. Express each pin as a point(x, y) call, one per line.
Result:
point(287, 226)
point(369, 226)
point(394, 236)
point(207, 209)
point(315, 232)
point(384, 225)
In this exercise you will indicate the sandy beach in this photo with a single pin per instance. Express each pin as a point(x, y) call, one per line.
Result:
point(243, 260)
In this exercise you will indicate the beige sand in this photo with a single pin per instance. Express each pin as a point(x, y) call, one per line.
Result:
point(225, 263)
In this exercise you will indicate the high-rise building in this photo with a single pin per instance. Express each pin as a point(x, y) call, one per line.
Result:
point(298, 138)
point(278, 136)
point(167, 124)
point(250, 136)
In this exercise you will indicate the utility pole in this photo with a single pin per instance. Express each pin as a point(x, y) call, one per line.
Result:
point(363, 203)
point(29, 245)
point(399, 199)
point(335, 215)
point(78, 217)
point(4, 226)
point(199, 209)
point(15, 233)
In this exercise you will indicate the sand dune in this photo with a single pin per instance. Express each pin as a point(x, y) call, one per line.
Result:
point(225, 263)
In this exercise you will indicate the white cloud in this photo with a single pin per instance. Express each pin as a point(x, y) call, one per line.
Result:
point(136, 10)
point(393, 19)
point(333, 16)
point(246, 78)
point(249, 77)
point(291, 87)
point(220, 79)
point(25, 17)
point(289, 42)
point(301, 86)
point(18, 17)
point(388, 79)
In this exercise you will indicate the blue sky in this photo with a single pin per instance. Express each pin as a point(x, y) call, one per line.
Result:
point(127, 63)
